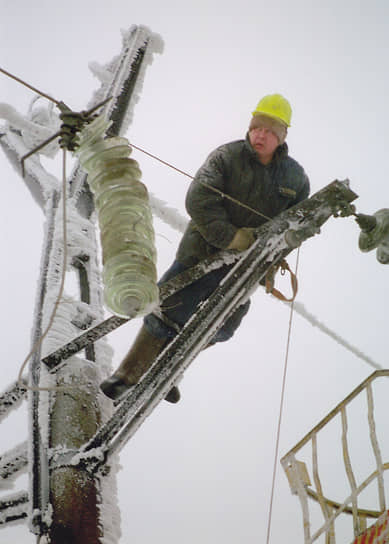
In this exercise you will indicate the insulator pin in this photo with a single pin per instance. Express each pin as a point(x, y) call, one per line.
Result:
point(375, 234)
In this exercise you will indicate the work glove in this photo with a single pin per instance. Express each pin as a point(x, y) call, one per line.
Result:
point(243, 239)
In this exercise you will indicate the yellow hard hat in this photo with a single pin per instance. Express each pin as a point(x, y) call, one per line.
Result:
point(275, 106)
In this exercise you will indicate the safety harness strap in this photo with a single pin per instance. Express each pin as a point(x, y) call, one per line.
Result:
point(269, 281)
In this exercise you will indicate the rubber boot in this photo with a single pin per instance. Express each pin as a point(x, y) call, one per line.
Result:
point(138, 360)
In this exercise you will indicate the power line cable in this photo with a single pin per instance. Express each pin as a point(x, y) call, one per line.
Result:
point(12, 76)
point(211, 187)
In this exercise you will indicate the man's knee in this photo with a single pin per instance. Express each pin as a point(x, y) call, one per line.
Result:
point(158, 328)
point(227, 331)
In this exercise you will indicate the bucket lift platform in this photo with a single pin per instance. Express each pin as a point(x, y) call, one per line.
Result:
point(348, 520)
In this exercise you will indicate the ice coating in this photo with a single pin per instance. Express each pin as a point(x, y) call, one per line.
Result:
point(125, 221)
point(113, 74)
point(18, 137)
point(378, 237)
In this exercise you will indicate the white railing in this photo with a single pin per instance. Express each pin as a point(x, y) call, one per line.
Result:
point(312, 495)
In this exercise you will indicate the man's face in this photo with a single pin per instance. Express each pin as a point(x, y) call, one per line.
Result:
point(264, 142)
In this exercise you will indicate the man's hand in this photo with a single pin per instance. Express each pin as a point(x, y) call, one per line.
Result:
point(243, 239)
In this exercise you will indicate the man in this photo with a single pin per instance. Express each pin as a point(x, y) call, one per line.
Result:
point(256, 172)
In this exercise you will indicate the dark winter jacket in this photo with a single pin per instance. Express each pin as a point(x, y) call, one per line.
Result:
point(235, 169)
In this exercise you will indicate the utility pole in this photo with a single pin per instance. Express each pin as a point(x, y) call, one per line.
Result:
point(70, 504)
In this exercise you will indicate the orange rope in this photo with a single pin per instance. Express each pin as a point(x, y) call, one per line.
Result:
point(269, 281)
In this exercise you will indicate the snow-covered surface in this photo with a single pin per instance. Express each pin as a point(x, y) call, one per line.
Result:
point(133, 39)
point(18, 508)
point(43, 182)
point(70, 314)
point(39, 125)
point(11, 398)
point(12, 463)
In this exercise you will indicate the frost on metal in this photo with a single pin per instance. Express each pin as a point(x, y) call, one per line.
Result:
point(12, 463)
point(139, 45)
point(40, 183)
point(109, 512)
point(11, 398)
point(21, 133)
point(121, 79)
point(40, 123)
point(270, 247)
point(72, 315)
point(13, 509)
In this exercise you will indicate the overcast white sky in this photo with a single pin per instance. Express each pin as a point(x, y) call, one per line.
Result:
point(201, 471)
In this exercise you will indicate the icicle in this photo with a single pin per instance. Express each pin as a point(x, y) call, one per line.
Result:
point(125, 220)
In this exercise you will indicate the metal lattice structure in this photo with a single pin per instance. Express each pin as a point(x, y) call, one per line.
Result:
point(59, 493)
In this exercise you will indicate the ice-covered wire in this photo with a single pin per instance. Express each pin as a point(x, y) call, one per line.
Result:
point(19, 80)
point(314, 321)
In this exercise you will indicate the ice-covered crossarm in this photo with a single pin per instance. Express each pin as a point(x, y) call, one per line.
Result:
point(125, 221)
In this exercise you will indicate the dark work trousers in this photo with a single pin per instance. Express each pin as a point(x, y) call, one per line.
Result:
point(180, 306)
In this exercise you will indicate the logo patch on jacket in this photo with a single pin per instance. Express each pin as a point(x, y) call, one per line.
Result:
point(285, 191)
